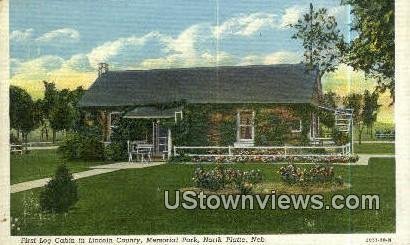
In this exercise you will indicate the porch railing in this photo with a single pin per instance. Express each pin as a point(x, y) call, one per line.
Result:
point(263, 151)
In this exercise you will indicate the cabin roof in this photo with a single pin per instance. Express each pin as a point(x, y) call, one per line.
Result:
point(283, 83)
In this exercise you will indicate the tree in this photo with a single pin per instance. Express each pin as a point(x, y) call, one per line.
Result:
point(321, 40)
point(372, 51)
point(23, 116)
point(365, 107)
point(79, 118)
point(60, 193)
point(370, 109)
point(47, 104)
point(62, 113)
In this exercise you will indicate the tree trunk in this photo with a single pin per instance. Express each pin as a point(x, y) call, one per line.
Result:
point(54, 136)
point(360, 135)
point(18, 134)
point(46, 133)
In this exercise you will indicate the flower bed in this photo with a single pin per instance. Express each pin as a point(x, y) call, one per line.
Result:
point(318, 174)
point(276, 159)
point(221, 177)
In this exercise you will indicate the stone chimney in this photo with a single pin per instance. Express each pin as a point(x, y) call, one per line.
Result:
point(102, 68)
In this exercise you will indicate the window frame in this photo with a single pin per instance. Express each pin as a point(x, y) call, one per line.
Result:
point(299, 130)
point(110, 118)
point(239, 126)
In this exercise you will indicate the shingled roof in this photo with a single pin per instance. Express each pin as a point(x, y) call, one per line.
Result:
point(234, 84)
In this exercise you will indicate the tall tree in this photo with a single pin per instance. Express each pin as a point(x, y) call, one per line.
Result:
point(62, 113)
point(23, 117)
point(365, 108)
point(370, 109)
point(321, 40)
point(47, 104)
point(372, 51)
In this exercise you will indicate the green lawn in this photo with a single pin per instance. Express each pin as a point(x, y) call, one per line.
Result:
point(374, 148)
point(39, 164)
point(132, 202)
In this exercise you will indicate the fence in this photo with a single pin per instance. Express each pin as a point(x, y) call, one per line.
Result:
point(263, 151)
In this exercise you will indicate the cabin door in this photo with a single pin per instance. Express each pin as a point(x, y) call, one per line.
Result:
point(159, 139)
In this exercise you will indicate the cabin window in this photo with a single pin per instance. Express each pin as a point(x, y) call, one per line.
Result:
point(178, 116)
point(114, 119)
point(296, 126)
point(246, 125)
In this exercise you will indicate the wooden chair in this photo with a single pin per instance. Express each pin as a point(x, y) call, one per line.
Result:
point(141, 149)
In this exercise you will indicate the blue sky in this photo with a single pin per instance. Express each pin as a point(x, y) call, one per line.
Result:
point(159, 33)
point(62, 41)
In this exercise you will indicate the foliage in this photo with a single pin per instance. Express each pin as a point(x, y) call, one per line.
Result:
point(23, 116)
point(127, 130)
point(182, 158)
point(216, 124)
point(32, 211)
point(365, 108)
point(63, 112)
point(276, 159)
point(271, 129)
point(194, 127)
point(60, 108)
point(373, 49)
point(86, 145)
point(221, 177)
point(339, 137)
point(60, 193)
point(320, 38)
point(307, 176)
point(370, 109)
point(327, 117)
point(227, 130)
point(115, 152)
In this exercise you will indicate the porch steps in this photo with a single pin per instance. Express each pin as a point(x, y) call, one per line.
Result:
point(343, 119)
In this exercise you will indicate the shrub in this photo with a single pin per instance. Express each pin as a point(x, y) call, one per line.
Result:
point(60, 193)
point(14, 139)
point(277, 158)
point(221, 177)
point(72, 146)
point(339, 137)
point(307, 176)
point(92, 148)
point(180, 159)
point(115, 151)
point(82, 146)
point(211, 180)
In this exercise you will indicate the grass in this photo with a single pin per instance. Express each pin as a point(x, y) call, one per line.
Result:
point(371, 136)
point(132, 202)
point(374, 148)
point(39, 164)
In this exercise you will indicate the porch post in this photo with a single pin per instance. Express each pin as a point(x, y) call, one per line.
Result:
point(169, 151)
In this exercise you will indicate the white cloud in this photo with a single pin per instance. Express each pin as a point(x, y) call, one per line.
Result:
point(246, 25)
point(281, 57)
point(124, 51)
point(291, 16)
point(42, 64)
point(60, 36)
point(21, 36)
point(78, 62)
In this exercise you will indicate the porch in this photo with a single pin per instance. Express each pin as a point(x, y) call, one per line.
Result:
point(160, 144)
